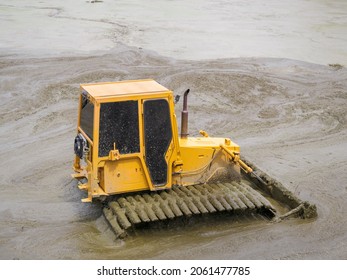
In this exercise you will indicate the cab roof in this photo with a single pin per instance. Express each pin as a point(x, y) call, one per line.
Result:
point(114, 89)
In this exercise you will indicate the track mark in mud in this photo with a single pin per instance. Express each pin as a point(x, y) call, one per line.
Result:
point(268, 113)
point(336, 66)
point(101, 75)
point(55, 10)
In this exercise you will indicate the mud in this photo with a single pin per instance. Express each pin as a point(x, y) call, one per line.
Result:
point(288, 117)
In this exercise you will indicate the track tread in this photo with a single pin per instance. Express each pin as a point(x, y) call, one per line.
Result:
point(128, 210)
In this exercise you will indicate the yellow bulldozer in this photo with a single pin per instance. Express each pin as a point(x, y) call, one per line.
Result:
point(130, 155)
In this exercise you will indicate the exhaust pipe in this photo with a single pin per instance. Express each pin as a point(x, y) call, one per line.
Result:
point(184, 116)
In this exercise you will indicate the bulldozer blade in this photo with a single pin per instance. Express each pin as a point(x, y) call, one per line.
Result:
point(277, 191)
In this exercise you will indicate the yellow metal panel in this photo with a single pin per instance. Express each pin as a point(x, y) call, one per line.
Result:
point(127, 97)
point(195, 158)
point(201, 157)
point(207, 142)
point(126, 175)
point(102, 90)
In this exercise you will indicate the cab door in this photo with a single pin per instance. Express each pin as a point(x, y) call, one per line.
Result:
point(158, 137)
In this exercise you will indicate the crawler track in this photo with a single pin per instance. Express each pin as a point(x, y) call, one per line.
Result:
point(124, 212)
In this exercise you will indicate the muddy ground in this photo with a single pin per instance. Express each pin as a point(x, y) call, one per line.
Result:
point(288, 116)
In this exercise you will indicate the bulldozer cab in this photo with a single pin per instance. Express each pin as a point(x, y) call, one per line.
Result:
point(130, 122)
